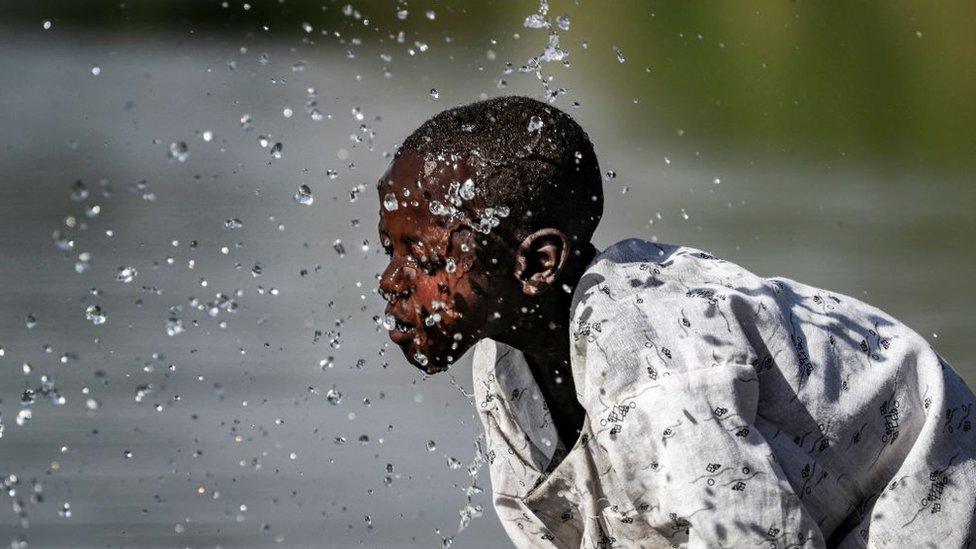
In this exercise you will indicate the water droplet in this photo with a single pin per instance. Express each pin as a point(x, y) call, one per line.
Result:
point(437, 208)
point(333, 396)
point(298, 66)
point(96, 70)
point(246, 122)
point(126, 274)
point(434, 94)
point(79, 191)
point(178, 151)
point(431, 14)
point(174, 326)
point(46, 25)
point(563, 22)
point(390, 202)
point(65, 511)
point(127, 454)
point(535, 21)
point(431, 446)
point(233, 224)
point(287, 112)
point(304, 195)
point(207, 136)
point(466, 191)
point(620, 54)
point(276, 150)
point(535, 124)
point(95, 315)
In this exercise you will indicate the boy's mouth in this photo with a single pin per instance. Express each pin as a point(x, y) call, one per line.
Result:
point(402, 331)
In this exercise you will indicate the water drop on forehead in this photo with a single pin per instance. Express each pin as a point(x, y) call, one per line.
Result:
point(390, 202)
point(535, 124)
point(438, 208)
point(466, 191)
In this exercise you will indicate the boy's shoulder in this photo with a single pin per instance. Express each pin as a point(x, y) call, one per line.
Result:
point(634, 266)
point(636, 287)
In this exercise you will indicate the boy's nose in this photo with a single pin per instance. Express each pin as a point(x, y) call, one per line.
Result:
point(397, 280)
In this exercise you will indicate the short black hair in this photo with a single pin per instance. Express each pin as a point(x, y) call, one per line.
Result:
point(530, 157)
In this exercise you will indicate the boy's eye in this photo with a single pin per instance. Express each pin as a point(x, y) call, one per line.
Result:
point(386, 244)
point(430, 265)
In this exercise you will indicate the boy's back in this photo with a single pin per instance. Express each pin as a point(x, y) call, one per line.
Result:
point(725, 409)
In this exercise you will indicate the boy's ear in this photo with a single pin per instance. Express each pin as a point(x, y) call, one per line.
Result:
point(540, 259)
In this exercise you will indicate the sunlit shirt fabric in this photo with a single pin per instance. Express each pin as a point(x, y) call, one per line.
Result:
point(728, 410)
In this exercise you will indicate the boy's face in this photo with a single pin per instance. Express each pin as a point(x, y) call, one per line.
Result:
point(437, 291)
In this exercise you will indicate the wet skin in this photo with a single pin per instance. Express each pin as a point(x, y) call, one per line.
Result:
point(510, 292)
point(418, 283)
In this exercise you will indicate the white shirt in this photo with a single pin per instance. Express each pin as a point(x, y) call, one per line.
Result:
point(728, 410)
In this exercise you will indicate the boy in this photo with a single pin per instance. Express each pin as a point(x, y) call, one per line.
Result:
point(652, 395)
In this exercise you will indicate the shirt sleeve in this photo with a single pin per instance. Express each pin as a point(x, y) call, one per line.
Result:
point(673, 400)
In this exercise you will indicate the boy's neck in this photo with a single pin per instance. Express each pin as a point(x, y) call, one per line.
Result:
point(544, 339)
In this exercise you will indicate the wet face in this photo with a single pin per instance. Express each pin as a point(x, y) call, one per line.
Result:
point(437, 290)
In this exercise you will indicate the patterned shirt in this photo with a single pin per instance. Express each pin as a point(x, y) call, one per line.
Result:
point(728, 410)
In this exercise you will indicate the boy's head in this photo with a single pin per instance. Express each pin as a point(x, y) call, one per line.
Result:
point(481, 211)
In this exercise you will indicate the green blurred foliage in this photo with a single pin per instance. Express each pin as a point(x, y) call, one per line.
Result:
point(888, 82)
point(884, 83)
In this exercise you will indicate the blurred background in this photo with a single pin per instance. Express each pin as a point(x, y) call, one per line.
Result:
point(189, 351)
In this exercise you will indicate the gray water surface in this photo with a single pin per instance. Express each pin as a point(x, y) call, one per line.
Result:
point(236, 444)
